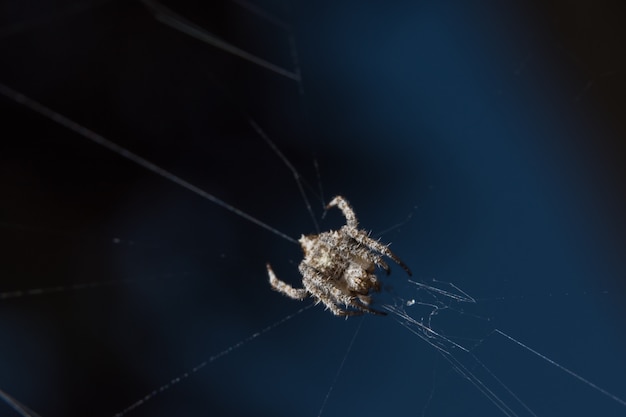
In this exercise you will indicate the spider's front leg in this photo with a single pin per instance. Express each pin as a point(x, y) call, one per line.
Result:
point(284, 288)
point(376, 246)
point(363, 304)
point(346, 209)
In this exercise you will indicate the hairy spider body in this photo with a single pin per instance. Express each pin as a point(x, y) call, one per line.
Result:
point(338, 267)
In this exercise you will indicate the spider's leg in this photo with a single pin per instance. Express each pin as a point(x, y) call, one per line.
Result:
point(346, 209)
point(323, 297)
point(350, 313)
point(365, 299)
point(382, 264)
point(375, 245)
point(331, 299)
point(284, 288)
point(363, 305)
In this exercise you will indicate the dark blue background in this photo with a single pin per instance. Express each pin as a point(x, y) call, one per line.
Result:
point(493, 134)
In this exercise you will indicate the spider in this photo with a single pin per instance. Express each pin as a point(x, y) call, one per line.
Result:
point(338, 267)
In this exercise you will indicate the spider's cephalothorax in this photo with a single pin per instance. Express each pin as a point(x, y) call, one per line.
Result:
point(338, 267)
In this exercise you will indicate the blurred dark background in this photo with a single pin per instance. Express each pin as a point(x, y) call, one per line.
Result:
point(485, 141)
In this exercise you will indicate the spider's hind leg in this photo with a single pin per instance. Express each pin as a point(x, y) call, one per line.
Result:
point(284, 288)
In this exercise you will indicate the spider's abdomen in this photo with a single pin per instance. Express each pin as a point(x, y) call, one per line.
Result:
point(320, 254)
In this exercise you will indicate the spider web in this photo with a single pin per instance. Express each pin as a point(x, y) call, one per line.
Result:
point(122, 285)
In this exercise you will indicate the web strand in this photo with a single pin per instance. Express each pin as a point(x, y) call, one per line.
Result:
point(179, 23)
point(213, 358)
point(563, 368)
point(289, 165)
point(343, 361)
point(20, 408)
point(102, 141)
point(466, 366)
point(7, 295)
